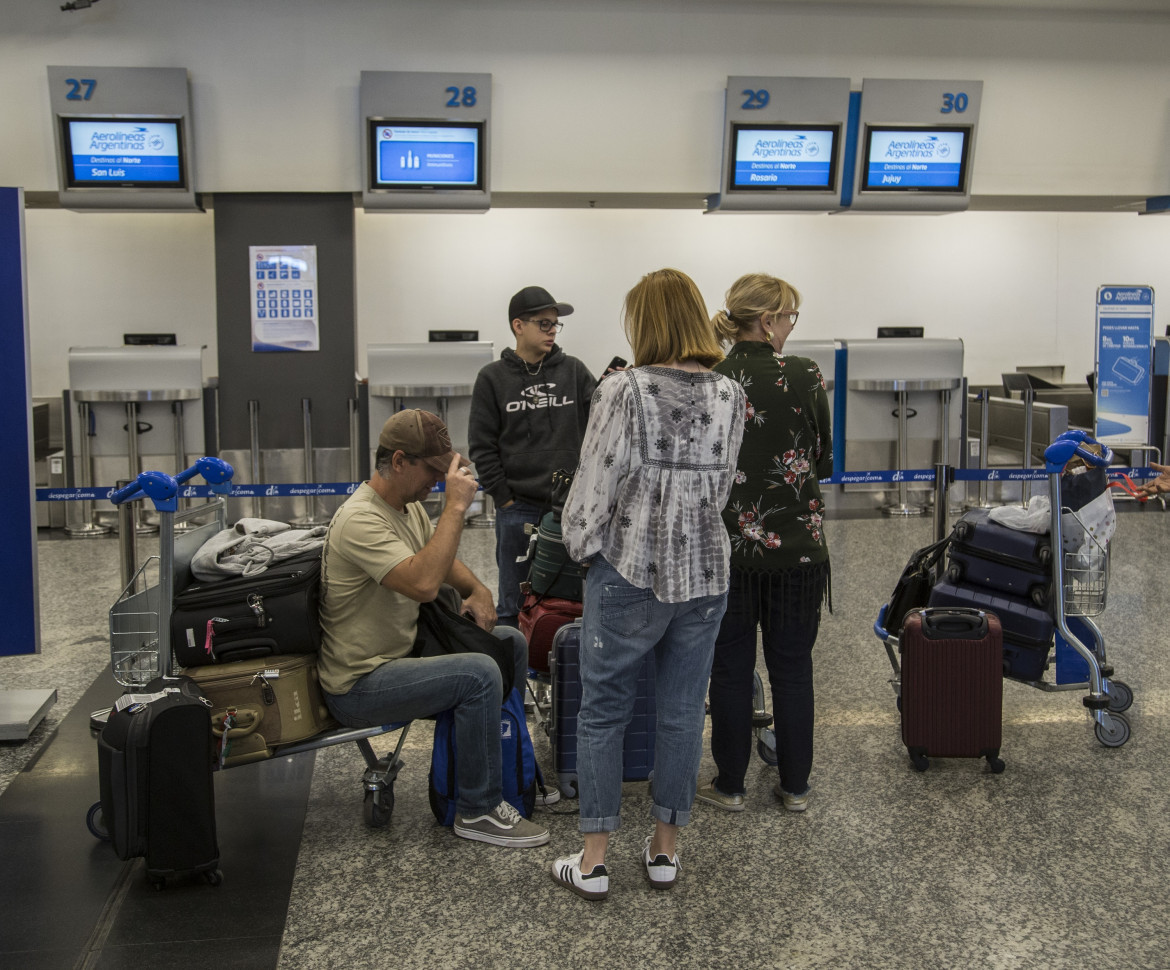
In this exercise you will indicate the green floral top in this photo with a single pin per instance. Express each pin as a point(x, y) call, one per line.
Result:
point(775, 510)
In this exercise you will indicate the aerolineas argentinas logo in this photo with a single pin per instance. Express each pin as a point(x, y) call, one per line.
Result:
point(792, 146)
point(132, 138)
point(927, 147)
point(538, 396)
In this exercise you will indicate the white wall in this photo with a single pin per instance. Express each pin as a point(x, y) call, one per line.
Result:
point(599, 95)
point(608, 96)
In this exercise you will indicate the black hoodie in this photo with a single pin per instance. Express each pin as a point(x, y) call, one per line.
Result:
point(527, 421)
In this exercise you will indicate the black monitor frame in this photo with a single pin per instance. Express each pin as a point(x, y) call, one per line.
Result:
point(72, 182)
point(372, 156)
point(834, 161)
point(964, 162)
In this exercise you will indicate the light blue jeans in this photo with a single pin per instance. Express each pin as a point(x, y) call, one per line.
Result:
point(621, 624)
point(416, 687)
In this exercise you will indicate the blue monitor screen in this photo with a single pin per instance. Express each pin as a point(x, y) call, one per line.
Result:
point(125, 152)
point(783, 157)
point(926, 159)
point(426, 154)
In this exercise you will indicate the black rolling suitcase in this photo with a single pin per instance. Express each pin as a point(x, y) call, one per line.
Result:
point(247, 617)
point(989, 555)
point(952, 688)
point(638, 747)
point(155, 772)
point(1027, 630)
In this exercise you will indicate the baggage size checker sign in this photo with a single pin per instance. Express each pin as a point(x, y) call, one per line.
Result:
point(284, 298)
point(1125, 326)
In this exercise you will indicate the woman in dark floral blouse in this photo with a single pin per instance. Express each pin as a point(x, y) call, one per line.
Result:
point(779, 559)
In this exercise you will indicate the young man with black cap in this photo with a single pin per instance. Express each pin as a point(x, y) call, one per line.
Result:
point(528, 415)
point(382, 557)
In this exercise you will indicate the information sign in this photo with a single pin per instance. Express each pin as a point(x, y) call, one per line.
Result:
point(1125, 325)
point(284, 298)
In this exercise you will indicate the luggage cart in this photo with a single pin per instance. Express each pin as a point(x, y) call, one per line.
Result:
point(1080, 586)
point(140, 628)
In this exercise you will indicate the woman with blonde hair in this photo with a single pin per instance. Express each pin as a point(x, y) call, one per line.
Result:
point(779, 559)
point(644, 512)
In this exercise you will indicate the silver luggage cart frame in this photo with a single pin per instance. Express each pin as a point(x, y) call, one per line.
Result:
point(140, 621)
point(1080, 587)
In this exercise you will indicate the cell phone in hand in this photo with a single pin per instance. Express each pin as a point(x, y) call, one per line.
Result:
point(616, 363)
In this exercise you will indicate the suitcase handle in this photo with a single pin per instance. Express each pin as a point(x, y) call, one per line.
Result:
point(958, 623)
point(248, 719)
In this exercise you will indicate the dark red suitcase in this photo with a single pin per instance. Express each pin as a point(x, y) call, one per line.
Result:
point(540, 619)
point(952, 685)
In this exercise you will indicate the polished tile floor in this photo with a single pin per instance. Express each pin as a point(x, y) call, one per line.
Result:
point(1062, 861)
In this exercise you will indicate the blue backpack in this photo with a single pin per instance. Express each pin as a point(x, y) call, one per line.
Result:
point(520, 774)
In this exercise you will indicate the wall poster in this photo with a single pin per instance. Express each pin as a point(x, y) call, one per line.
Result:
point(284, 298)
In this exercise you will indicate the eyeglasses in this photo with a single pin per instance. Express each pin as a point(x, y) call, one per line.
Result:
point(794, 314)
point(548, 326)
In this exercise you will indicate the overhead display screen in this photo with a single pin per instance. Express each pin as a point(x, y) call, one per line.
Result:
point(426, 155)
point(783, 157)
point(930, 159)
point(132, 153)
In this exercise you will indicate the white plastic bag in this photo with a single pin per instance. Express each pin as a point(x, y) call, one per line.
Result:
point(1036, 517)
point(1089, 528)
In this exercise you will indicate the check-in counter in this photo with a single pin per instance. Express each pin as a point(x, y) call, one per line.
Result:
point(437, 377)
point(134, 408)
point(902, 406)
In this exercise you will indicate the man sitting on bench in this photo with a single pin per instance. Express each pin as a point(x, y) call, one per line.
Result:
point(382, 557)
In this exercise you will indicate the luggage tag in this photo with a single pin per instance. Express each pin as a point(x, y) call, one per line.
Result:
point(266, 690)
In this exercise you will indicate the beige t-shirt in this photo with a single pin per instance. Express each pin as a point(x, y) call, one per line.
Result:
point(364, 624)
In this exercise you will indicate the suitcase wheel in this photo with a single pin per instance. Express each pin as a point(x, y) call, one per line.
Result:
point(954, 574)
point(995, 763)
point(378, 806)
point(768, 754)
point(213, 876)
point(963, 531)
point(1040, 597)
point(918, 759)
point(1044, 556)
point(96, 822)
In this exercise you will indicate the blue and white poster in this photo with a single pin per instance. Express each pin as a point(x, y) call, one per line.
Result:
point(1125, 327)
point(284, 298)
point(915, 159)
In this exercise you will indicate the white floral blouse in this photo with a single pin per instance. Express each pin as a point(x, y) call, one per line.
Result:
point(655, 473)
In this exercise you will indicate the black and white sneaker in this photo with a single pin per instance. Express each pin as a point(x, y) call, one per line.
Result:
point(503, 825)
point(567, 872)
point(662, 870)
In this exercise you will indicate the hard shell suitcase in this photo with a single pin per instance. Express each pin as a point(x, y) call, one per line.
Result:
point(952, 686)
point(155, 774)
point(1027, 630)
point(984, 553)
point(540, 619)
point(638, 748)
point(274, 612)
point(259, 704)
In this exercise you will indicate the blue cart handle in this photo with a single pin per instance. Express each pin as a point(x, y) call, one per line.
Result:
point(215, 471)
point(160, 487)
point(1070, 443)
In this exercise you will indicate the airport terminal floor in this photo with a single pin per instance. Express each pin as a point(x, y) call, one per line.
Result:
point(1060, 861)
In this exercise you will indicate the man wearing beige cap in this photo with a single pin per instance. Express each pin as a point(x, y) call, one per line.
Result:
point(382, 557)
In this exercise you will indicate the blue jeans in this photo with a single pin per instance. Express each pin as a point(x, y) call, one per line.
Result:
point(416, 687)
point(511, 543)
point(792, 611)
point(621, 623)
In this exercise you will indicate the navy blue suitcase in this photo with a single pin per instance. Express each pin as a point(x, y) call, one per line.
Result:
point(1027, 630)
point(638, 750)
point(984, 553)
